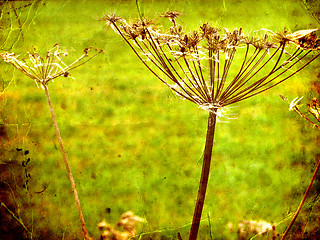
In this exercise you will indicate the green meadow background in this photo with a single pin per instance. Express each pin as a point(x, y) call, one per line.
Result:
point(132, 143)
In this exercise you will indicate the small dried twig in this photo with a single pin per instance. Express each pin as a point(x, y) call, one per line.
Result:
point(294, 107)
point(15, 217)
point(314, 108)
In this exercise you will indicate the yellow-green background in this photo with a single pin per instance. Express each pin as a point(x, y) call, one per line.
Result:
point(134, 145)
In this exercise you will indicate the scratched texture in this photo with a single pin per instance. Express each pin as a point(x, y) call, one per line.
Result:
point(135, 146)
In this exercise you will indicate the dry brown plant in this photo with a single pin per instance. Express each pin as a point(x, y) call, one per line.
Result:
point(215, 68)
point(128, 222)
point(44, 69)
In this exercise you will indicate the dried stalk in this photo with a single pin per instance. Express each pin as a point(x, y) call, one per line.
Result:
point(204, 176)
point(64, 155)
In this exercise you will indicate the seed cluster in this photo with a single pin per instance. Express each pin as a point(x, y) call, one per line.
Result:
point(200, 66)
point(44, 69)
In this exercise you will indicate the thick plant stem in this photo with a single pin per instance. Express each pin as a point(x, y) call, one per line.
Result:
point(73, 185)
point(204, 177)
point(302, 201)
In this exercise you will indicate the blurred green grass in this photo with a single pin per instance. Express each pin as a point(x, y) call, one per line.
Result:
point(134, 145)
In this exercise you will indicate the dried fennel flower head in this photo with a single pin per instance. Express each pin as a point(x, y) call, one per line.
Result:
point(43, 69)
point(215, 67)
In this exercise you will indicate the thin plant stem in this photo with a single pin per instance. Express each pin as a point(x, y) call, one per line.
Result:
point(204, 176)
point(73, 185)
point(15, 217)
point(302, 201)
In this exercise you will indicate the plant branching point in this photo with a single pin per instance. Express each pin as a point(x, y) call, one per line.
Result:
point(214, 68)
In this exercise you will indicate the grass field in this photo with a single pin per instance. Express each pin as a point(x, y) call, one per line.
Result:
point(134, 145)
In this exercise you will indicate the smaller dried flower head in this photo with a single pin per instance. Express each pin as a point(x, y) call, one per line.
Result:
point(110, 19)
point(309, 41)
point(314, 108)
point(261, 43)
point(43, 69)
point(304, 38)
point(137, 28)
point(171, 15)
